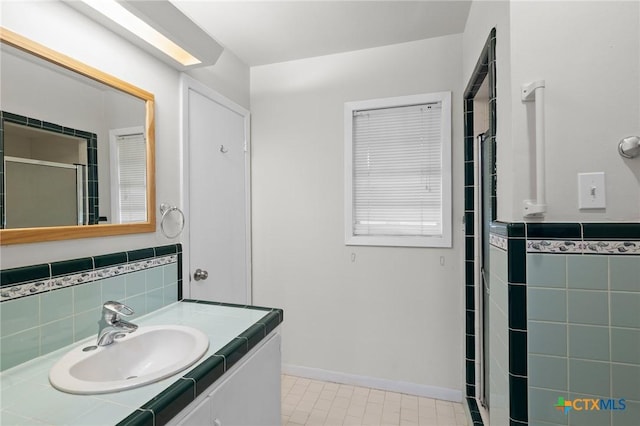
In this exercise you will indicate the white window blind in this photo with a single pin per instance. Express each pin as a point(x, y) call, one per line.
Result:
point(399, 172)
point(132, 178)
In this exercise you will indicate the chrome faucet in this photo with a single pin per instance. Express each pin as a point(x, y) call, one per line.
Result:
point(111, 324)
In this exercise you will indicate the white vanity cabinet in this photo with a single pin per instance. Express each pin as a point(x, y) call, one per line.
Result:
point(247, 395)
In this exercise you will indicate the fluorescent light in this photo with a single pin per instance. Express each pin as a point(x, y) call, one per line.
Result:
point(121, 16)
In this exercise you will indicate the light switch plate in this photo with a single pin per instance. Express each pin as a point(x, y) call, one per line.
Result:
point(591, 191)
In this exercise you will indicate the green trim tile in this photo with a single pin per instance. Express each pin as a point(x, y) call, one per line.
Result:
point(469, 248)
point(171, 401)
point(516, 230)
point(272, 320)
point(254, 334)
point(517, 259)
point(611, 231)
point(233, 351)
point(470, 372)
point(518, 352)
point(74, 266)
point(570, 231)
point(110, 259)
point(166, 250)
point(206, 373)
point(518, 398)
point(24, 274)
point(518, 309)
point(138, 418)
point(141, 254)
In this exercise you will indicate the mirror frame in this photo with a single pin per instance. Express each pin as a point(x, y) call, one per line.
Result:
point(56, 233)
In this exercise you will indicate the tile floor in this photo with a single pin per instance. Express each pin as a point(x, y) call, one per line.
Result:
point(316, 403)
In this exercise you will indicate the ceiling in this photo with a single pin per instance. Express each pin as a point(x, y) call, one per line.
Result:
point(265, 32)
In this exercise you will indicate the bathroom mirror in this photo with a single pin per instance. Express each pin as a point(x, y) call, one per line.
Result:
point(76, 148)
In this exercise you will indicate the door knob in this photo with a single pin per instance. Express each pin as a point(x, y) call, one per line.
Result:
point(199, 274)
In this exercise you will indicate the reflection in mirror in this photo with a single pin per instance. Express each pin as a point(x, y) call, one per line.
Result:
point(76, 148)
point(49, 175)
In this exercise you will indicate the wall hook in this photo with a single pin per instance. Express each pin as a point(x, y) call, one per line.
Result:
point(223, 150)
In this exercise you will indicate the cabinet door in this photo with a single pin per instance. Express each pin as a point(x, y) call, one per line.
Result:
point(251, 396)
point(200, 416)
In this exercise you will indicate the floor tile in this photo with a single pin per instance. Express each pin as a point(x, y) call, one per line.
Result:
point(315, 403)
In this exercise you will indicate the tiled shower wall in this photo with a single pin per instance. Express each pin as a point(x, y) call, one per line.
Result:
point(583, 309)
point(573, 318)
point(49, 306)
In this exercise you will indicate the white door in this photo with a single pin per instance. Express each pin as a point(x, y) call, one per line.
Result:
point(217, 168)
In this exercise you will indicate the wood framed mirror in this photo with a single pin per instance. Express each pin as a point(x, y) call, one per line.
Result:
point(106, 200)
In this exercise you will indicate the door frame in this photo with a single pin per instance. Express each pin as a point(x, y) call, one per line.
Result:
point(485, 68)
point(188, 84)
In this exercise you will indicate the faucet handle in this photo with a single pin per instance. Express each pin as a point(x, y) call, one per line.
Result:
point(117, 308)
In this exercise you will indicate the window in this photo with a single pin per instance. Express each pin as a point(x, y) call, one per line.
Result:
point(129, 175)
point(398, 171)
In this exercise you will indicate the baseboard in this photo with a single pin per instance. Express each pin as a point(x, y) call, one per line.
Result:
point(435, 392)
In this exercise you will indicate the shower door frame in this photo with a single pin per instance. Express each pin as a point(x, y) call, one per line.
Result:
point(485, 69)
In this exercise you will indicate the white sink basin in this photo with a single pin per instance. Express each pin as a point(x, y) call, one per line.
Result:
point(145, 356)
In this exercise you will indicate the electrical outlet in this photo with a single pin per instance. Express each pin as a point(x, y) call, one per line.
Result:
point(591, 191)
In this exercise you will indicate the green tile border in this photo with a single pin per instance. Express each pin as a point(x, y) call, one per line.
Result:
point(16, 276)
point(67, 267)
point(185, 390)
point(485, 68)
point(138, 418)
point(28, 274)
point(206, 373)
point(171, 401)
point(560, 231)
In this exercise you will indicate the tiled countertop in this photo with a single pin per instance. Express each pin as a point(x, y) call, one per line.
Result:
point(27, 397)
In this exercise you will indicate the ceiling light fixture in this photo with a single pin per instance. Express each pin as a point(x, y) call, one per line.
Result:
point(158, 27)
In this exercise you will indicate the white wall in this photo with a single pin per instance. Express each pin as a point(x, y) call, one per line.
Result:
point(392, 313)
point(483, 16)
point(65, 30)
point(588, 53)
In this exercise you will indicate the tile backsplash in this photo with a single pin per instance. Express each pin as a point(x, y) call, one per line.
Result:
point(46, 307)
